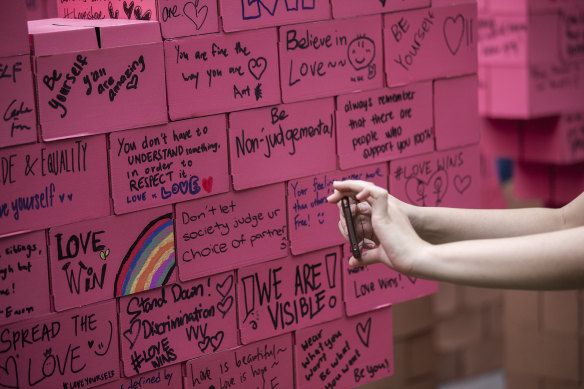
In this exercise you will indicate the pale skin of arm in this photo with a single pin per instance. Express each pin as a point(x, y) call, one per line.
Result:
point(537, 248)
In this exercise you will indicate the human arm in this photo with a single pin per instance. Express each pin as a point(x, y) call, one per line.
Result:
point(544, 260)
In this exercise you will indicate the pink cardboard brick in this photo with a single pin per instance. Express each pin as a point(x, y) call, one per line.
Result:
point(376, 286)
point(117, 87)
point(288, 294)
point(169, 325)
point(77, 348)
point(572, 33)
point(533, 181)
point(166, 164)
point(447, 178)
point(17, 102)
point(483, 91)
point(538, 90)
point(282, 142)
point(349, 9)
point(231, 230)
point(345, 353)
point(312, 221)
point(330, 58)
point(501, 137)
point(430, 43)
point(13, 29)
point(50, 184)
point(384, 124)
point(221, 73)
point(183, 18)
point(164, 378)
point(247, 15)
point(269, 362)
point(568, 183)
point(518, 39)
point(113, 9)
point(555, 139)
point(104, 258)
point(23, 277)
point(530, 6)
point(456, 115)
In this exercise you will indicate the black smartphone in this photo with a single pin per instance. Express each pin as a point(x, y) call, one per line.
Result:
point(346, 204)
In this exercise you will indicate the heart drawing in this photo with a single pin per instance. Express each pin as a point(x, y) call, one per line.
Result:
point(195, 14)
point(224, 288)
point(224, 306)
point(208, 184)
point(453, 30)
point(9, 373)
point(133, 83)
point(461, 184)
point(129, 333)
point(257, 67)
point(363, 331)
point(432, 191)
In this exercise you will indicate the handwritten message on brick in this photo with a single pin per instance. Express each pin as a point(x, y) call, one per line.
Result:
point(449, 178)
point(74, 349)
point(247, 15)
point(165, 164)
point(167, 377)
point(183, 18)
point(23, 262)
point(221, 72)
point(230, 231)
point(572, 34)
point(384, 124)
point(107, 9)
point(287, 294)
point(263, 364)
point(502, 39)
point(372, 287)
point(94, 92)
point(50, 184)
point(430, 43)
point(330, 58)
point(348, 8)
point(99, 259)
point(17, 102)
point(313, 221)
point(283, 142)
point(345, 353)
point(170, 325)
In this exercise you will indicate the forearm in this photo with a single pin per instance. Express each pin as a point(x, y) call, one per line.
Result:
point(443, 225)
point(553, 260)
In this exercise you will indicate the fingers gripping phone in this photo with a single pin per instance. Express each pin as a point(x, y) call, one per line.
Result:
point(346, 205)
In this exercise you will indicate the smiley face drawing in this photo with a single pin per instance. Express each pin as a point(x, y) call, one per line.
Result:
point(361, 52)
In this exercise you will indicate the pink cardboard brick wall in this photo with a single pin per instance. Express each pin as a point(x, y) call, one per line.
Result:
point(556, 139)
point(13, 25)
point(165, 164)
point(221, 72)
point(51, 184)
point(288, 294)
point(448, 178)
point(232, 230)
point(269, 362)
point(345, 353)
point(169, 325)
point(456, 116)
point(312, 221)
point(329, 58)
point(183, 18)
point(101, 86)
point(17, 101)
point(530, 6)
point(100, 259)
point(113, 9)
point(282, 142)
point(501, 137)
point(349, 9)
point(533, 181)
point(384, 124)
point(62, 350)
point(24, 284)
point(368, 288)
point(246, 15)
point(430, 43)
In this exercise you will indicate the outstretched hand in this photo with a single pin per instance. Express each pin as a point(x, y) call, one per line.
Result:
point(393, 240)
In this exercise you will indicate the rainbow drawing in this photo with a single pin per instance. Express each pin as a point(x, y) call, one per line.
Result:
point(150, 261)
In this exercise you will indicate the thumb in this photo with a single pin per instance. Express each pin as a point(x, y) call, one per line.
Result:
point(369, 257)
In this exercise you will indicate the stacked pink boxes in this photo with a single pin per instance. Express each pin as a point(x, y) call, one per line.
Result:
point(165, 168)
point(531, 58)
